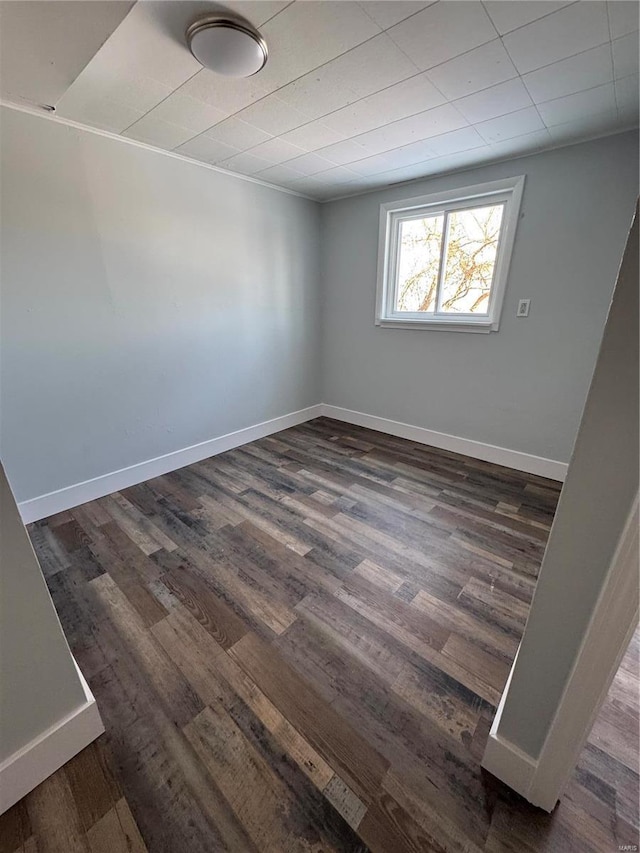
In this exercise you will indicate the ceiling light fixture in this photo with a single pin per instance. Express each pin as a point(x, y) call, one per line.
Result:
point(229, 46)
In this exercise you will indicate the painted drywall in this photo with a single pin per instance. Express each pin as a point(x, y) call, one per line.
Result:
point(148, 304)
point(40, 683)
point(523, 387)
point(595, 503)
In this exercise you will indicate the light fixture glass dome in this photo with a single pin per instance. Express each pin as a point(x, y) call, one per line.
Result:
point(228, 46)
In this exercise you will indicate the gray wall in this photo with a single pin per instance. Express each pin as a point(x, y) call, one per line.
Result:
point(595, 503)
point(523, 387)
point(147, 304)
point(40, 683)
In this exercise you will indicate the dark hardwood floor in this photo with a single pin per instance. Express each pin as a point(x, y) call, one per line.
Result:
point(299, 645)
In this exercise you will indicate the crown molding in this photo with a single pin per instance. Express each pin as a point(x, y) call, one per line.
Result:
point(76, 125)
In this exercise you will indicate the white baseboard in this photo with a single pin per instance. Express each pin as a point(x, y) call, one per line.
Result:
point(28, 767)
point(477, 449)
point(98, 487)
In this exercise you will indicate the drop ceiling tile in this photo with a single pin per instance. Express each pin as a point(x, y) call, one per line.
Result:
point(359, 184)
point(583, 128)
point(404, 99)
point(280, 173)
point(228, 94)
point(579, 72)
point(573, 29)
point(411, 129)
point(402, 156)
point(624, 17)
point(318, 93)
point(273, 115)
point(433, 166)
point(209, 150)
point(443, 31)
point(526, 144)
point(463, 139)
point(354, 119)
point(452, 162)
point(411, 96)
point(256, 11)
point(312, 188)
point(371, 66)
point(511, 125)
point(386, 13)
point(276, 150)
point(307, 181)
point(333, 193)
point(155, 131)
point(625, 55)
point(509, 16)
point(135, 90)
point(306, 35)
point(245, 162)
point(312, 136)
point(337, 175)
point(187, 112)
point(344, 152)
point(628, 94)
point(237, 133)
point(309, 164)
point(478, 69)
point(591, 102)
point(497, 101)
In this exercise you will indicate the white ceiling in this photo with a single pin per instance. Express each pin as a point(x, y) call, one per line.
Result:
point(44, 45)
point(362, 94)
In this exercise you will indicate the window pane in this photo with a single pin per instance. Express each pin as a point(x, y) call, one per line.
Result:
point(472, 247)
point(420, 241)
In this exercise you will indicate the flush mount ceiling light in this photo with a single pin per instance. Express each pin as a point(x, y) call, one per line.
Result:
point(229, 46)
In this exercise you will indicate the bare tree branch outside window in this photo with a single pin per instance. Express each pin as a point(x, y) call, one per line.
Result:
point(469, 261)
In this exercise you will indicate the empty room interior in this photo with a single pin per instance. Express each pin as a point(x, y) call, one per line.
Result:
point(319, 435)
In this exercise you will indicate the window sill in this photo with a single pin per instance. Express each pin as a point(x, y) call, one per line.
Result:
point(438, 325)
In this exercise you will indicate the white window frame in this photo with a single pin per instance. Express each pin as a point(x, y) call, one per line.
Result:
point(507, 191)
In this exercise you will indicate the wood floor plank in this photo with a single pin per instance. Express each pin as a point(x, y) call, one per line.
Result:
point(246, 781)
point(276, 816)
point(15, 828)
point(135, 842)
point(175, 802)
point(179, 699)
point(218, 619)
point(456, 618)
point(486, 666)
point(107, 836)
point(299, 645)
point(293, 744)
point(387, 826)
point(384, 578)
point(92, 791)
point(345, 801)
point(54, 817)
point(340, 745)
point(497, 607)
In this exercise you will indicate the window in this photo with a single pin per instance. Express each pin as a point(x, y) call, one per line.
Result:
point(443, 259)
